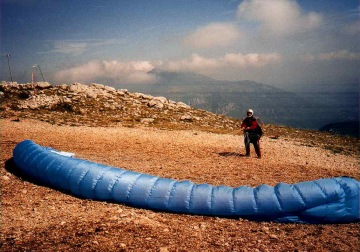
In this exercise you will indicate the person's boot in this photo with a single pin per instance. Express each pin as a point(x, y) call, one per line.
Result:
point(258, 153)
point(247, 148)
point(257, 149)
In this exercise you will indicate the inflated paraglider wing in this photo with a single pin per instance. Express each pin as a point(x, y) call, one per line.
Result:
point(334, 200)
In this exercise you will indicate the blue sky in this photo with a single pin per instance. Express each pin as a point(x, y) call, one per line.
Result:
point(278, 42)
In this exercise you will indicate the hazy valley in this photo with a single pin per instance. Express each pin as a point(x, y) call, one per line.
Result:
point(309, 110)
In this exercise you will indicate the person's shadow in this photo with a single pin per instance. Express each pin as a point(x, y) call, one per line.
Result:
point(231, 154)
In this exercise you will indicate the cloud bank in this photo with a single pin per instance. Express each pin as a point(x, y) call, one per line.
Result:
point(139, 72)
point(343, 55)
point(203, 65)
point(78, 47)
point(118, 72)
point(72, 48)
point(213, 35)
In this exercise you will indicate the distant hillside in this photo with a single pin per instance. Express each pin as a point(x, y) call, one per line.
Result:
point(233, 98)
point(343, 128)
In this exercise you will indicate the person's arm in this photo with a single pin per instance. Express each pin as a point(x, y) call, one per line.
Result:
point(243, 124)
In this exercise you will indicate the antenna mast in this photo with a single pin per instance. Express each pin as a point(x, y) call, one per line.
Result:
point(33, 78)
point(8, 57)
point(34, 72)
point(42, 76)
point(33, 75)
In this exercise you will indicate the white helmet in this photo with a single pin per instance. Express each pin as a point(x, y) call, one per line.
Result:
point(251, 112)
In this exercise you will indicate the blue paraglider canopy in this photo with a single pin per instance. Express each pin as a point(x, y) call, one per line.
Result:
point(332, 200)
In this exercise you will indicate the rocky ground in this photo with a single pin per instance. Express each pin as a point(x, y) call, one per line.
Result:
point(164, 138)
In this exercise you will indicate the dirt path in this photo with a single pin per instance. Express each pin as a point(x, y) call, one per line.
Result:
point(39, 218)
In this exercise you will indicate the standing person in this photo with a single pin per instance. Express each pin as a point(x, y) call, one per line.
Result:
point(252, 133)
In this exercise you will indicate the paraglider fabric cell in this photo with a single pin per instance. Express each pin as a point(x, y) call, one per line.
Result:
point(332, 200)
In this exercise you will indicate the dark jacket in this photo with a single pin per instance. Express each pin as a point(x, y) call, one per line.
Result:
point(249, 124)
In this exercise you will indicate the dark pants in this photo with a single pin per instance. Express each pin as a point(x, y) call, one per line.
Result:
point(255, 140)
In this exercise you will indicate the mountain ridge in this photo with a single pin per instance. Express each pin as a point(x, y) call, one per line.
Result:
point(231, 98)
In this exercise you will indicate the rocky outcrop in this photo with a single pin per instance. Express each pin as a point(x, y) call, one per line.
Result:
point(99, 105)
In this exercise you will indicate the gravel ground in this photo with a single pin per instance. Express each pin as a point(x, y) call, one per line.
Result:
point(38, 218)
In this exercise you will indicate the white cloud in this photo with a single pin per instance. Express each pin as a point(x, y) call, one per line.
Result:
point(74, 48)
point(340, 55)
point(139, 72)
point(82, 73)
point(129, 72)
point(278, 17)
point(205, 66)
point(77, 47)
point(335, 55)
point(118, 72)
point(251, 59)
point(213, 35)
point(195, 64)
